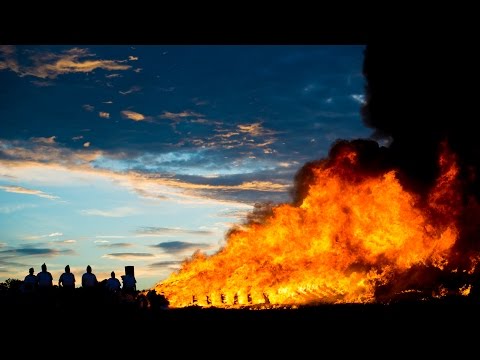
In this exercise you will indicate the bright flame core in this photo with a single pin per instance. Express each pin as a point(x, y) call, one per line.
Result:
point(353, 232)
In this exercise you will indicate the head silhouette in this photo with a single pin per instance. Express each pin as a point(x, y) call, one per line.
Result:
point(112, 274)
point(44, 267)
point(31, 270)
point(67, 268)
point(89, 269)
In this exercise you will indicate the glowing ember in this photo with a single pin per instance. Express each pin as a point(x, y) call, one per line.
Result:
point(353, 232)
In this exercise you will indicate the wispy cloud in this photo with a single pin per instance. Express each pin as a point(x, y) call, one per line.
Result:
point(49, 65)
point(44, 140)
point(360, 98)
point(132, 90)
point(75, 138)
point(161, 231)
point(35, 237)
point(132, 115)
point(8, 209)
point(58, 165)
point(168, 264)
point(126, 256)
point(132, 58)
point(22, 190)
point(88, 107)
point(108, 237)
point(176, 247)
point(39, 83)
point(117, 212)
point(180, 115)
point(104, 114)
point(115, 245)
point(34, 252)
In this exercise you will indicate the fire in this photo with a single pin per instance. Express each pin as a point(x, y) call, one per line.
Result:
point(353, 232)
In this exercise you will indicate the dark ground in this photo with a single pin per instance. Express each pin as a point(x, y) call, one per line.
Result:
point(418, 328)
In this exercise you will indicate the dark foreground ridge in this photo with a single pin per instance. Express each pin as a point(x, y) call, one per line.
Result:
point(134, 326)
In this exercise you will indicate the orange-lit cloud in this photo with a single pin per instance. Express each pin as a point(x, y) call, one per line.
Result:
point(86, 144)
point(55, 165)
point(132, 115)
point(44, 140)
point(22, 190)
point(180, 115)
point(47, 65)
point(128, 256)
point(104, 114)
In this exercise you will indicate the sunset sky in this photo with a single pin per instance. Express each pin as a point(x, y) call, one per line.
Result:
point(141, 155)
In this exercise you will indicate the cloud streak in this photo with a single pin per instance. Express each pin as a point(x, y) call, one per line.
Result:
point(34, 252)
point(128, 256)
point(132, 115)
point(49, 65)
point(22, 190)
point(178, 247)
point(160, 231)
point(115, 245)
point(117, 212)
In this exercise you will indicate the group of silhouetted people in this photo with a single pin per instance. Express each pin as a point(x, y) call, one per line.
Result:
point(43, 281)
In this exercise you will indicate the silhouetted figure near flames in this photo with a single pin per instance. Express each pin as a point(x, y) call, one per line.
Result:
point(129, 284)
point(112, 287)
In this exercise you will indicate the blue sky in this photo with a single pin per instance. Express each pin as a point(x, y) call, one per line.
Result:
point(141, 155)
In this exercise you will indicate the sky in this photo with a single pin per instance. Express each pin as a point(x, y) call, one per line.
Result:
point(126, 155)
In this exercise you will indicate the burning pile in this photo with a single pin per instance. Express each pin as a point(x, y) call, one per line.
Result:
point(367, 224)
point(354, 232)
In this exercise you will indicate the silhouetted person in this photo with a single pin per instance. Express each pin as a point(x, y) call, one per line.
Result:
point(45, 279)
point(89, 280)
point(30, 282)
point(66, 283)
point(67, 279)
point(113, 284)
point(129, 284)
point(89, 285)
point(45, 285)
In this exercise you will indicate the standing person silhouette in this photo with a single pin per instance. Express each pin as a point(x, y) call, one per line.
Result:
point(113, 284)
point(89, 284)
point(45, 285)
point(66, 283)
point(67, 279)
point(129, 284)
point(113, 289)
point(45, 279)
point(89, 280)
point(30, 281)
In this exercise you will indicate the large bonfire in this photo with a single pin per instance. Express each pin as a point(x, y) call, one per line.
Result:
point(354, 233)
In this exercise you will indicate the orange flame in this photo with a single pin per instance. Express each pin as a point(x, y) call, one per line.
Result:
point(352, 233)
